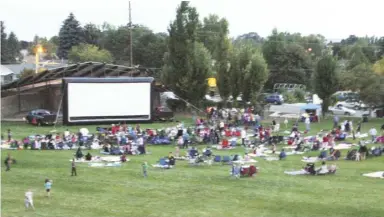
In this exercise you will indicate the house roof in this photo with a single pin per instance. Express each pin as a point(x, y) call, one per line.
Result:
point(5, 71)
point(87, 69)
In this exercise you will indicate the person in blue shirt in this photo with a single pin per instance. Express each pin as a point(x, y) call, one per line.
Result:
point(186, 140)
point(282, 155)
point(48, 186)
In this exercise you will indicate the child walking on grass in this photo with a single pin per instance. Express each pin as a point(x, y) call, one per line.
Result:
point(29, 199)
point(48, 186)
point(145, 168)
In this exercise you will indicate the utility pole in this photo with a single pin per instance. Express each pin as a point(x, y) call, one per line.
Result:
point(130, 36)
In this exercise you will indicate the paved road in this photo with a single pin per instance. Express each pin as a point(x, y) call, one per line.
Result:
point(295, 109)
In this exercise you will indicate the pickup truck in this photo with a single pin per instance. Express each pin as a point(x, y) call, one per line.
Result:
point(163, 114)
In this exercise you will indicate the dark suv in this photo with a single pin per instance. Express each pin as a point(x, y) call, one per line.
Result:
point(276, 99)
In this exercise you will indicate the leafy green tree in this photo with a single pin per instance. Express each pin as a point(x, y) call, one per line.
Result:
point(55, 40)
point(378, 67)
point(256, 74)
point(209, 33)
point(356, 57)
point(187, 62)
point(221, 55)
point(70, 35)
point(91, 34)
point(88, 52)
point(326, 80)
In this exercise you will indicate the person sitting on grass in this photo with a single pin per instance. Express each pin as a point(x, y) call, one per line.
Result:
point(335, 154)
point(79, 154)
point(171, 159)
point(123, 158)
point(282, 155)
point(323, 169)
point(88, 157)
point(323, 154)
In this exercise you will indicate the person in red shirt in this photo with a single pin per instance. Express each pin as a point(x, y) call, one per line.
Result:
point(114, 129)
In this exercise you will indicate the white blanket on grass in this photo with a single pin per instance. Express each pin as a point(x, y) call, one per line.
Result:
point(258, 155)
point(182, 158)
point(82, 160)
point(114, 164)
point(341, 146)
point(287, 153)
point(245, 161)
point(111, 158)
point(364, 135)
point(298, 172)
point(219, 147)
point(375, 175)
point(162, 166)
point(310, 159)
point(271, 158)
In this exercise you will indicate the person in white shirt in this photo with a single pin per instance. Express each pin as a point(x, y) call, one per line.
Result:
point(221, 126)
point(140, 140)
point(29, 199)
point(243, 136)
point(323, 169)
point(286, 123)
point(307, 124)
point(373, 133)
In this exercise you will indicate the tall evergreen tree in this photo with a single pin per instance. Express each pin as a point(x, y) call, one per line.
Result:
point(4, 50)
point(70, 35)
point(188, 62)
point(13, 47)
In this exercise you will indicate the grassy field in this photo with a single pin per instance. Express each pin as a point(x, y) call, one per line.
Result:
point(185, 190)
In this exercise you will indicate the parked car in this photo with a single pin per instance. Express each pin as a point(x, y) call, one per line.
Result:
point(341, 110)
point(163, 114)
point(353, 104)
point(276, 99)
point(40, 117)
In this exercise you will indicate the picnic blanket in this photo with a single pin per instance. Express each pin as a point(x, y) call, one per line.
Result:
point(297, 172)
point(364, 135)
point(271, 158)
point(219, 147)
point(182, 158)
point(258, 155)
point(245, 161)
point(290, 147)
point(162, 166)
point(379, 174)
point(342, 146)
point(114, 164)
point(111, 158)
point(287, 153)
point(82, 160)
point(310, 159)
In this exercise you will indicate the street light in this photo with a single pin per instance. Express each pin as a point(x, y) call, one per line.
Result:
point(39, 49)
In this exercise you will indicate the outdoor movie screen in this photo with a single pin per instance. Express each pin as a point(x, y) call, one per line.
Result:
point(108, 102)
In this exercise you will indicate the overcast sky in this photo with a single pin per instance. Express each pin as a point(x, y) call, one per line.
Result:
point(335, 19)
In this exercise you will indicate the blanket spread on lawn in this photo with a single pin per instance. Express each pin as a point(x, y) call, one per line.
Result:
point(375, 175)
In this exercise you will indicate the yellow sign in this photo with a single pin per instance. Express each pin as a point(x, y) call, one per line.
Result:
point(212, 82)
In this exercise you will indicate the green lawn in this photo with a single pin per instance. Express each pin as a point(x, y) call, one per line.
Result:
point(185, 190)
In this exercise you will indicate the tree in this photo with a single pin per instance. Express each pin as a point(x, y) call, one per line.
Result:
point(210, 30)
point(5, 57)
point(288, 61)
point(356, 57)
point(256, 74)
point(88, 52)
point(70, 35)
point(55, 40)
point(187, 62)
point(91, 34)
point(326, 80)
point(13, 47)
point(378, 67)
point(221, 55)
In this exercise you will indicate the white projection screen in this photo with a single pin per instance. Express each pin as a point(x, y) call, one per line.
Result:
point(107, 100)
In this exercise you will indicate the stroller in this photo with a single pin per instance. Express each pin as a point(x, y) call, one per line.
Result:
point(351, 155)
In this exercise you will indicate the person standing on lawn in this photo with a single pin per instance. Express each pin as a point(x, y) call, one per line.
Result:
point(48, 186)
point(8, 162)
point(9, 135)
point(73, 171)
point(29, 199)
point(145, 168)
